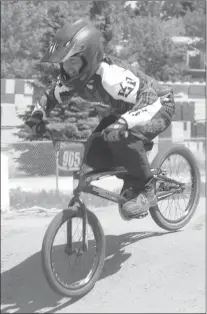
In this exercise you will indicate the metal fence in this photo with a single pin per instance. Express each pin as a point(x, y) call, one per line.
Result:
point(30, 159)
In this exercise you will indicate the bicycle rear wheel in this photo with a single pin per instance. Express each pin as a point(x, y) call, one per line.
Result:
point(181, 206)
point(79, 271)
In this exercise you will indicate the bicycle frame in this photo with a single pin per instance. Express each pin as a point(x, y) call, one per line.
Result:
point(84, 185)
point(85, 179)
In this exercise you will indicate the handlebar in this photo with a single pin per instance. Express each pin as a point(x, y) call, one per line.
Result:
point(57, 136)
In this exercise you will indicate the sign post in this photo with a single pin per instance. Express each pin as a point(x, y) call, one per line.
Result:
point(5, 200)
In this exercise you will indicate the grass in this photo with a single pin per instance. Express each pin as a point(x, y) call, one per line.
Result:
point(20, 199)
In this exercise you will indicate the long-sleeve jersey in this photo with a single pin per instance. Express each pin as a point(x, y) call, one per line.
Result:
point(112, 85)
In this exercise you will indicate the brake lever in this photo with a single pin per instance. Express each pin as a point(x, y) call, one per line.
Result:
point(50, 134)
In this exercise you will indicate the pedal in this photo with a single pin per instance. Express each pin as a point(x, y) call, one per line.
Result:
point(142, 216)
point(139, 216)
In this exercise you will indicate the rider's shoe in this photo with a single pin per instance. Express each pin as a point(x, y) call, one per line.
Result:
point(140, 205)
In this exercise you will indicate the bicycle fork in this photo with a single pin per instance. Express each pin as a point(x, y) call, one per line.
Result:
point(69, 228)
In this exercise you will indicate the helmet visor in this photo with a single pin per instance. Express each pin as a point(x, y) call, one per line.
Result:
point(60, 53)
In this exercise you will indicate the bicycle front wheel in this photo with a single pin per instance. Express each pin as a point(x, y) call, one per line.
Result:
point(69, 270)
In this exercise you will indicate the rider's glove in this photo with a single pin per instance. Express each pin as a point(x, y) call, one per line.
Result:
point(115, 131)
point(35, 124)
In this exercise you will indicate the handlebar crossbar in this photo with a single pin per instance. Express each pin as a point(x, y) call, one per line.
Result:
point(52, 135)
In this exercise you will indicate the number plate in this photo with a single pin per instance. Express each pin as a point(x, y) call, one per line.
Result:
point(70, 156)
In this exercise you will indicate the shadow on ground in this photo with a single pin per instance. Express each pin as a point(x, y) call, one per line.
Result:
point(25, 290)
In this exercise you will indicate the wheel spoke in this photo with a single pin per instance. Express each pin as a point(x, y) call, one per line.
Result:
point(178, 168)
point(76, 267)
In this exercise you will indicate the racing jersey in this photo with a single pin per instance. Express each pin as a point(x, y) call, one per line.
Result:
point(125, 93)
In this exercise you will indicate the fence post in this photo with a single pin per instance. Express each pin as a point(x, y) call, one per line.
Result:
point(57, 171)
point(5, 200)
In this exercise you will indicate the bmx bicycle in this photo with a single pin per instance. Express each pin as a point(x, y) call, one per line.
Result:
point(167, 187)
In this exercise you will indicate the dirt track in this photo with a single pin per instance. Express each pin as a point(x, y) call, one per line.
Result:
point(146, 269)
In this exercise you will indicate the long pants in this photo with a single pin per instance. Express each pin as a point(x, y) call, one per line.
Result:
point(128, 152)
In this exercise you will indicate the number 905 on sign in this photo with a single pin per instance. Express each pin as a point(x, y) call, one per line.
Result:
point(70, 156)
point(71, 160)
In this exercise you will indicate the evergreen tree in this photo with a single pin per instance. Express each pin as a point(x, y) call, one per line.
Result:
point(145, 34)
point(149, 44)
point(20, 38)
point(100, 14)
